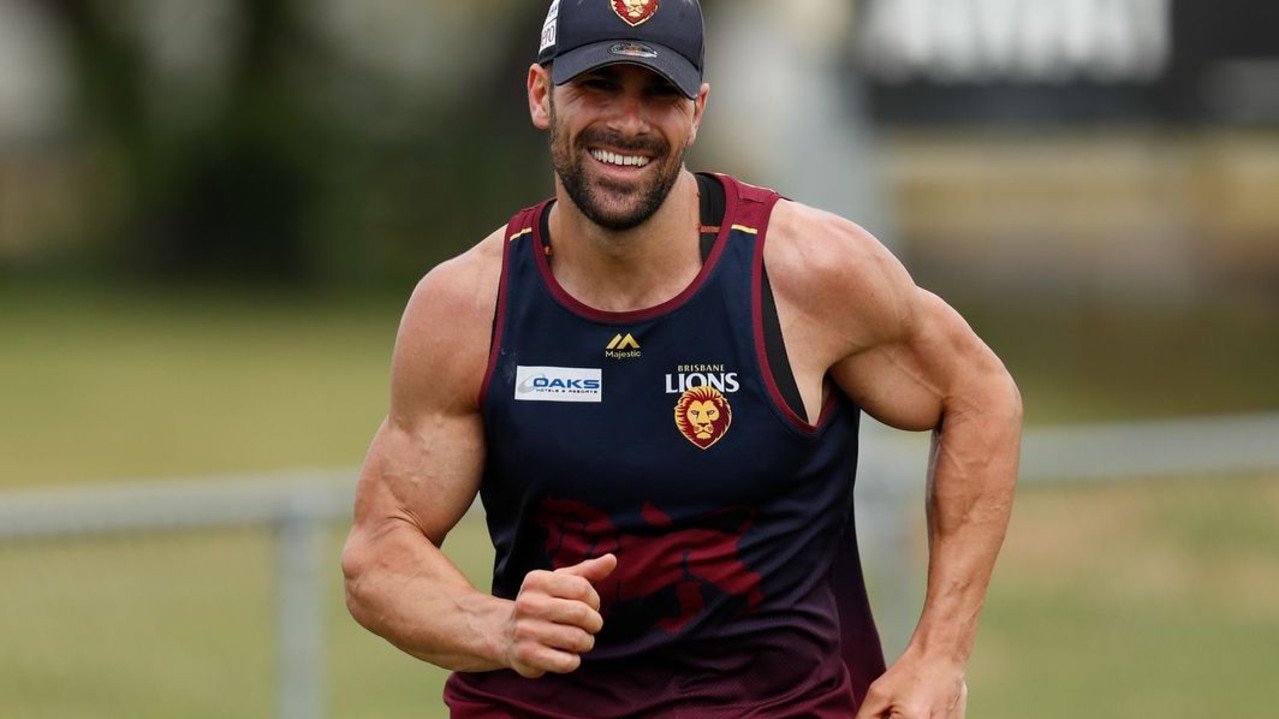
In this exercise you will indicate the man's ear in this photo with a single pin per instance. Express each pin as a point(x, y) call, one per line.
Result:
point(699, 110)
point(539, 96)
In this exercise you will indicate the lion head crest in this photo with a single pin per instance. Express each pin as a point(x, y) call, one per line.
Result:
point(703, 416)
point(635, 12)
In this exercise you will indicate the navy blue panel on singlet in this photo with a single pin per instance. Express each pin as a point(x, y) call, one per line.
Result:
point(660, 436)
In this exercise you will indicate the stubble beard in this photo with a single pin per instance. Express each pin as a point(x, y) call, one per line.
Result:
point(610, 205)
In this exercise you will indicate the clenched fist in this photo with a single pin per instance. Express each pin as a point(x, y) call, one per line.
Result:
point(556, 617)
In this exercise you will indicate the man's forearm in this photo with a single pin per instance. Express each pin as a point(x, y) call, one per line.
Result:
point(411, 595)
point(972, 475)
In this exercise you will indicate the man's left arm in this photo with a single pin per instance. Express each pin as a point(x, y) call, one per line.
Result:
point(851, 312)
point(933, 372)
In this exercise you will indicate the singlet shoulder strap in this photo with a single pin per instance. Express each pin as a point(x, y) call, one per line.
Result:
point(525, 222)
point(753, 204)
point(712, 205)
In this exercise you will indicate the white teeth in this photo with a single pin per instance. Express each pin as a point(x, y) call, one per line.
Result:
point(613, 158)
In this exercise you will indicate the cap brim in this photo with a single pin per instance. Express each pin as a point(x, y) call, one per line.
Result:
point(664, 61)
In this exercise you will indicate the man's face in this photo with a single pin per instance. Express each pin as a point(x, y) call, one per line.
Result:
point(618, 138)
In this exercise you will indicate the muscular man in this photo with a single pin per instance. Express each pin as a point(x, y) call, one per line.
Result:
point(653, 381)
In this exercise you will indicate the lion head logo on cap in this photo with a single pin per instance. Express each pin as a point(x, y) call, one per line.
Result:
point(635, 12)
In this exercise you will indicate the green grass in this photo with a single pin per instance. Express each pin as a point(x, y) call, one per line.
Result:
point(1152, 600)
point(110, 386)
point(182, 625)
point(1133, 600)
point(139, 626)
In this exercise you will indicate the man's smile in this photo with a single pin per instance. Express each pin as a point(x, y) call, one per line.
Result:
point(619, 160)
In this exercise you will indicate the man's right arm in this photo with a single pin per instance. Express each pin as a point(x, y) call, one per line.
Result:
point(420, 477)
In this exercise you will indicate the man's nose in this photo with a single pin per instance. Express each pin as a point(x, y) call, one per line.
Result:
point(631, 117)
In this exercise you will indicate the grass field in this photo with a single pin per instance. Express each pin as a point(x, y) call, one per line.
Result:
point(1130, 600)
point(104, 386)
point(1123, 601)
point(1135, 601)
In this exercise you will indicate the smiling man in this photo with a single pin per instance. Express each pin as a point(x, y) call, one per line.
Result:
point(653, 381)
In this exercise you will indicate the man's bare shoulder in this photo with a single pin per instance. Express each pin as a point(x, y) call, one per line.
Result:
point(464, 284)
point(832, 270)
point(441, 351)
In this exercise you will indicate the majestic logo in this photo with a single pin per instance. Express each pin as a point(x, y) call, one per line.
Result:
point(635, 12)
point(667, 573)
point(703, 416)
point(558, 384)
point(623, 347)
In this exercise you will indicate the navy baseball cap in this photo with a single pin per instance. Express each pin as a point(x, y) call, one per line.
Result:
point(666, 36)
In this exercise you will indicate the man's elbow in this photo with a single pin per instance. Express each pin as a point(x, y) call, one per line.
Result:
point(1010, 402)
point(1008, 413)
point(357, 567)
point(992, 400)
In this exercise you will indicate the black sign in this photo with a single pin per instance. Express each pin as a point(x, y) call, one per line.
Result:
point(1019, 61)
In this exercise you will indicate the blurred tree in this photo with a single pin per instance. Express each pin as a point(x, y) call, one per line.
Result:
point(227, 201)
point(311, 167)
point(431, 175)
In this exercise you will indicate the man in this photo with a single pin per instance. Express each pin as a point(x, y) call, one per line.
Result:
point(653, 382)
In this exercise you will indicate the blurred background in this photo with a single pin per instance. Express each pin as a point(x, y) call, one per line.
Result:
point(212, 212)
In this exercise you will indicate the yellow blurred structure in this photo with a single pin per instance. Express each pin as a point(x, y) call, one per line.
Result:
point(1170, 208)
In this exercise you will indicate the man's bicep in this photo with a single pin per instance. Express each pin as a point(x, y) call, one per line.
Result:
point(407, 500)
point(907, 380)
point(425, 462)
point(424, 476)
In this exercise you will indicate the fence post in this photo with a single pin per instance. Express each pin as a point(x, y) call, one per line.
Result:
point(300, 612)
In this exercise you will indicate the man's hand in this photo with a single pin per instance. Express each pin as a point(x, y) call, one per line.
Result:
point(556, 618)
point(915, 688)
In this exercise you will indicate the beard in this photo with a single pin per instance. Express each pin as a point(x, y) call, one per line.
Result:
point(611, 205)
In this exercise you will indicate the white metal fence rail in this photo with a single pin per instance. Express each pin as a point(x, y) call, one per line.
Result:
point(301, 506)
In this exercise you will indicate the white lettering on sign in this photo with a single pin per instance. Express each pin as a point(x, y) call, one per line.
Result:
point(1032, 41)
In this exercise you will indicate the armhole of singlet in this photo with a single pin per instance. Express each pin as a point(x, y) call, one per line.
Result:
point(713, 207)
point(775, 347)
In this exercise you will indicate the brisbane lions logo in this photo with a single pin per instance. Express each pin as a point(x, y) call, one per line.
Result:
point(635, 12)
point(703, 416)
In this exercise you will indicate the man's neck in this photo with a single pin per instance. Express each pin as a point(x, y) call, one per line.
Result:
point(634, 269)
